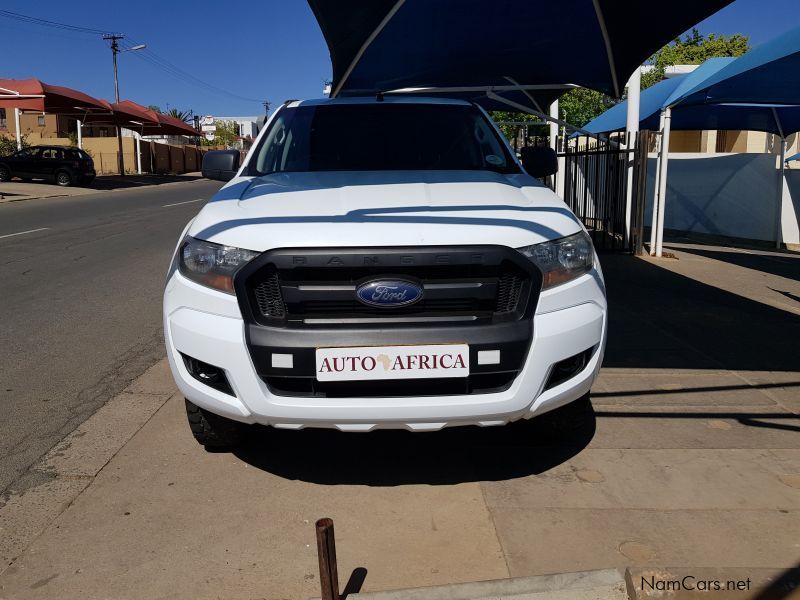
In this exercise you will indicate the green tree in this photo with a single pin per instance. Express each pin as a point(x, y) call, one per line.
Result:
point(8, 144)
point(580, 105)
point(154, 108)
point(227, 134)
point(692, 49)
point(577, 107)
point(503, 117)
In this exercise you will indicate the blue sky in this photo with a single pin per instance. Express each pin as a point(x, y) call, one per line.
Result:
point(269, 50)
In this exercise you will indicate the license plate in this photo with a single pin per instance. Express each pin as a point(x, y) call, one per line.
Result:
point(392, 362)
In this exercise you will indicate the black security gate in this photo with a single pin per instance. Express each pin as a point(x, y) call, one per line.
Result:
point(593, 180)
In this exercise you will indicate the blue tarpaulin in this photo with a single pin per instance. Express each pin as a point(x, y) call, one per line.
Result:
point(757, 91)
point(767, 74)
point(382, 45)
point(777, 119)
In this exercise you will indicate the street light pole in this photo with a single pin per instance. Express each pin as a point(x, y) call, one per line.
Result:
point(114, 51)
point(114, 38)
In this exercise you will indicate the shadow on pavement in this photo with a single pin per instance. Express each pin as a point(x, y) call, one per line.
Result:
point(390, 457)
point(658, 319)
point(662, 320)
point(781, 264)
point(785, 586)
point(115, 182)
point(355, 583)
point(752, 419)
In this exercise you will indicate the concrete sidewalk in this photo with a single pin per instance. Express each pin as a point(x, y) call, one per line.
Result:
point(692, 461)
point(16, 190)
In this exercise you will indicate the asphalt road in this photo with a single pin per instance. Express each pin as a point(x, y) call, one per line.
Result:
point(81, 280)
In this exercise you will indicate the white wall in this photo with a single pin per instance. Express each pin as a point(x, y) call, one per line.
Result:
point(791, 206)
point(727, 194)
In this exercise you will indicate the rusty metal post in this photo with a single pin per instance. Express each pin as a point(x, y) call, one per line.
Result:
point(326, 551)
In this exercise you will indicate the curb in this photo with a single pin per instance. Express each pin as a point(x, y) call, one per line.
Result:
point(9, 200)
point(51, 485)
point(696, 583)
point(94, 191)
point(605, 584)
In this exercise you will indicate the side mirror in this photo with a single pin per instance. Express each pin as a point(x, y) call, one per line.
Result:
point(539, 161)
point(220, 164)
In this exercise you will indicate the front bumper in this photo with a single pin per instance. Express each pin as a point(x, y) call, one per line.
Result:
point(207, 325)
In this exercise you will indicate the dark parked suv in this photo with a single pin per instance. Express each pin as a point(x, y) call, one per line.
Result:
point(64, 166)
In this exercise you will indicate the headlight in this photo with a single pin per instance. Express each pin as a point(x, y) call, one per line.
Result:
point(562, 260)
point(210, 264)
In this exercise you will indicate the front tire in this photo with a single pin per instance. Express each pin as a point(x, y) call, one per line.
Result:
point(5, 173)
point(569, 418)
point(63, 179)
point(213, 431)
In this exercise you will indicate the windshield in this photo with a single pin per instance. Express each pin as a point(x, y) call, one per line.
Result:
point(381, 137)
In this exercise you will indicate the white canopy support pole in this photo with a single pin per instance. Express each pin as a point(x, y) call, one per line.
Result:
point(781, 184)
point(662, 183)
point(482, 88)
point(19, 129)
point(657, 187)
point(554, 130)
point(80, 134)
point(631, 129)
point(781, 175)
point(554, 126)
point(138, 139)
point(536, 105)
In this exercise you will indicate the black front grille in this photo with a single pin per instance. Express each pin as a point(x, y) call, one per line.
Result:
point(268, 296)
point(313, 288)
point(295, 301)
point(327, 308)
point(479, 297)
point(509, 288)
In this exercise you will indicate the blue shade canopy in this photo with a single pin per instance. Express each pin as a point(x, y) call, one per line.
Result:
point(492, 99)
point(381, 45)
point(781, 120)
point(794, 157)
point(768, 74)
point(651, 102)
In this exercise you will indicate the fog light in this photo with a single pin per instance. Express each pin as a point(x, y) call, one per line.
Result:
point(568, 368)
point(208, 374)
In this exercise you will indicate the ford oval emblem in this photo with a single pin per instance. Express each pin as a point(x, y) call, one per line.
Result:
point(385, 293)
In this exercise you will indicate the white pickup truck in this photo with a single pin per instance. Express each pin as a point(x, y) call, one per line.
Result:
point(381, 263)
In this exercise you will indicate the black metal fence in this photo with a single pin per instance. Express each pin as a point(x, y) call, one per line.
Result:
point(593, 181)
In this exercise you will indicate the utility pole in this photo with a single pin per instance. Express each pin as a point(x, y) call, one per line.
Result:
point(266, 104)
point(114, 51)
point(114, 38)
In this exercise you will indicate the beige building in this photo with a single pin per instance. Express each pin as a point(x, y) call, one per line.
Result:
point(100, 141)
point(731, 141)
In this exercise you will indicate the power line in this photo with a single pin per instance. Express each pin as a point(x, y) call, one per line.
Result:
point(147, 55)
point(46, 23)
point(151, 57)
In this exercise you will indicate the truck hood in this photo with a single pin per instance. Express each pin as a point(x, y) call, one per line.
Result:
point(407, 208)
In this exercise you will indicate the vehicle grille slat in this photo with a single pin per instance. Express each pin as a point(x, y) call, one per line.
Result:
point(310, 296)
point(268, 296)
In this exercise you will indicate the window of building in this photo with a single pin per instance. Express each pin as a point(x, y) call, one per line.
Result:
point(41, 120)
point(3, 123)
